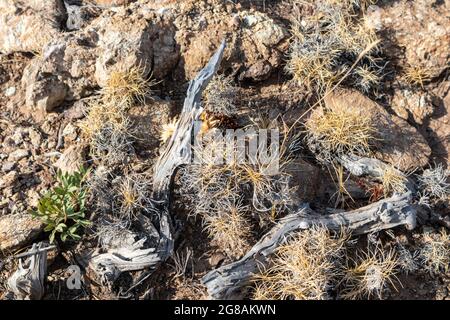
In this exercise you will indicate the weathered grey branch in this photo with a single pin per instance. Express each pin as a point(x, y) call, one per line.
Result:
point(227, 281)
point(137, 254)
point(27, 282)
point(360, 166)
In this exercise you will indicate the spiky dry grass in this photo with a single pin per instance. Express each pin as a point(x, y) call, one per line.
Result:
point(417, 75)
point(434, 185)
point(311, 63)
point(338, 132)
point(306, 267)
point(393, 180)
point(107, 126)
point(220, 94)
point(132, 193)
point(434, 252)
point(367, 78)
point(229, 227)
point(369, 274)
point(407, 260)
point(220, 173)
point(328, 42)
point(168, 129)
point(123, 87)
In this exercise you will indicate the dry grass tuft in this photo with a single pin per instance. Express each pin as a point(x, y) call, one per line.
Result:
point(434, 185)
point(305, 267)
point(417, 75)
point(229, 228)
point(342, 131)
point(219, 95)
point(132, 193)
point(124, 87)
point(394, 181)
point(369, 274)
point(327, 42)
point(434, 253)
point(168, 130)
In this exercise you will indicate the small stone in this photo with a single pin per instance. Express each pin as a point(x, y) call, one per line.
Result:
point(18, 230)
point(10, 91)
point(18, 154)
point(17, 138)
point(8, 179)
point(8, 166)
point(35, 137)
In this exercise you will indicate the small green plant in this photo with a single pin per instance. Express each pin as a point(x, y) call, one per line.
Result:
point(62, 209)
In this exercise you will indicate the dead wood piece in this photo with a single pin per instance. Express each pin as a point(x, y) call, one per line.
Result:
point(361, 166)
point(27, 282)
point(138, 254)
point(227, 281)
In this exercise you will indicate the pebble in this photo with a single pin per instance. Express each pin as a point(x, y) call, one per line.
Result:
point(8, 166)
point(19, 154)
point(10, 91)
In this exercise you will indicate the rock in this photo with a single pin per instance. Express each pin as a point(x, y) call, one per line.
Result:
point(306, 177)
point(255, 42)
point(8, 179)
point(18, 230)
point(147, 121)
point(113, 2)
point(417, 33)
point(18, 154)
point(79, 16)
point(74, 64)
point(8, 166)
point(35, 137)
point(72, 159)
point(144, 39)
point(416, 104)
point(438, 128)
point(29, 25)
point(64, 72)
point(397, 141)
point(10, 91)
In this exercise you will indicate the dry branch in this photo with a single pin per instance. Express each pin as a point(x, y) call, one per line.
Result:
point(227, 281)
point(27, 282)
point(137, 254)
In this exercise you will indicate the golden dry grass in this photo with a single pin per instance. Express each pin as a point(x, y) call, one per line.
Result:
point(369, 274)
point(416, 75)
point(393, 180)
point(124, 87)
point(305, 267)
point(434, 252)
point(168, 129)
point(337, 132)
point(229, 228)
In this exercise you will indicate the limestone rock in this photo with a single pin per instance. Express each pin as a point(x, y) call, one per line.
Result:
point(144, 40)
point(415, 32)
point(254, 42)
point(416, 104)
point(29, 25)
point(71, 160)
point(18, 230)
point(64, 72)
point(397, 142)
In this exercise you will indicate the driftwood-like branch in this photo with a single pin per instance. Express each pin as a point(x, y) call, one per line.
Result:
point(360, 166)
point(227, 281)
point(136, 254)
point(178, 148)
point(27, 282)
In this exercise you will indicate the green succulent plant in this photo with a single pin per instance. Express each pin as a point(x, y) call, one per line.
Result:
point(62, 209)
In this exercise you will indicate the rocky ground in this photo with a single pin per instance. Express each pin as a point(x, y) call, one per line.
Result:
point(56, 57)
